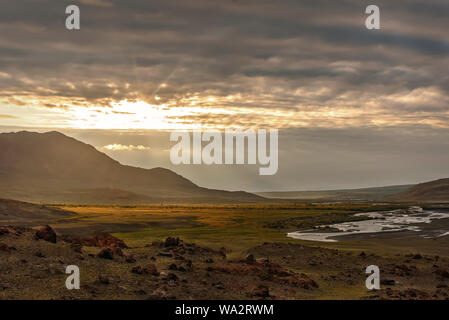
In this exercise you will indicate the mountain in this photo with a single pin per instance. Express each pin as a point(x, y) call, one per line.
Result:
point(52, 167)
point(375, 193)
point(433, 191)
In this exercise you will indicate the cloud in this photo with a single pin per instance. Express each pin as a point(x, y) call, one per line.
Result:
point(121, 147)
point(284, 63)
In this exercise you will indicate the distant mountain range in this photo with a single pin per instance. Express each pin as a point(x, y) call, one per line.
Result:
point(376, 193)
point(51, 167)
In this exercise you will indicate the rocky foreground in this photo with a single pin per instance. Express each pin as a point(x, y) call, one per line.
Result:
point(33, 264)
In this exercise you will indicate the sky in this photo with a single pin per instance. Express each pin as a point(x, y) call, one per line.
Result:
point(355, 107)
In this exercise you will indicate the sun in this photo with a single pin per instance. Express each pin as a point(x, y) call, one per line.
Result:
point(125, 115)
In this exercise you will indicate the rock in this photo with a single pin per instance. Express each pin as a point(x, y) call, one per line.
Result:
point(417, 256)
point(261, 291)
point(4, 247)
point(3, 231)
point(129, 258)
point(173, 267)
point(103, 279)
point(250, 259)
point(362, 254)
point(172, 242)
point(158, 295)
point(137, 270)
point(117, 251)
point(151, 269)
point(106, 253)
point(442, 273)
point(46, 233)
point(172, 277)
point(387, 282)
point(102, 240)
point(165, 254)
point(222, 252)
point(77, 247)
point(262, 260)
point(301, 281)
point(441, 285)
point(209, 260)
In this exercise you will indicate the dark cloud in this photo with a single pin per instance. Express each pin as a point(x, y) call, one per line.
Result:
point(221, 46)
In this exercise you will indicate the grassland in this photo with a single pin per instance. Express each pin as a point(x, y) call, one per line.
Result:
point(238, 227)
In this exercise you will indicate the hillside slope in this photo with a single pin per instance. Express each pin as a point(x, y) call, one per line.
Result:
point(52, 167)
point(22, 213)
point(375, 193)
point(432, 191)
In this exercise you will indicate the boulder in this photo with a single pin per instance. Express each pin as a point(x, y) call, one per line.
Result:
point(250, 259)
point(101, 239)
point(46, 233)
point(151, 269)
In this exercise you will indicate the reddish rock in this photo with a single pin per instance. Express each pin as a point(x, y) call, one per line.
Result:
point(151, 269)
point(102, 240)
point(46, 233)
point(4, 231)
point(261, 291)
point(117, 251)
point(301, 281)
point(129, 257)
point(4, 247)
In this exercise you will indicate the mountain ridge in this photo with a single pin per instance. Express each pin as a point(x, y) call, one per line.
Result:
point(53, 167)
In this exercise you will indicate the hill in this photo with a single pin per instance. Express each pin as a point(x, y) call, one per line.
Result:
point(52, 167)
point(22, 213)
point(433, 191)
point(376, 193)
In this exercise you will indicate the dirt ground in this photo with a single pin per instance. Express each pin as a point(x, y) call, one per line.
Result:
point(33, 268)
